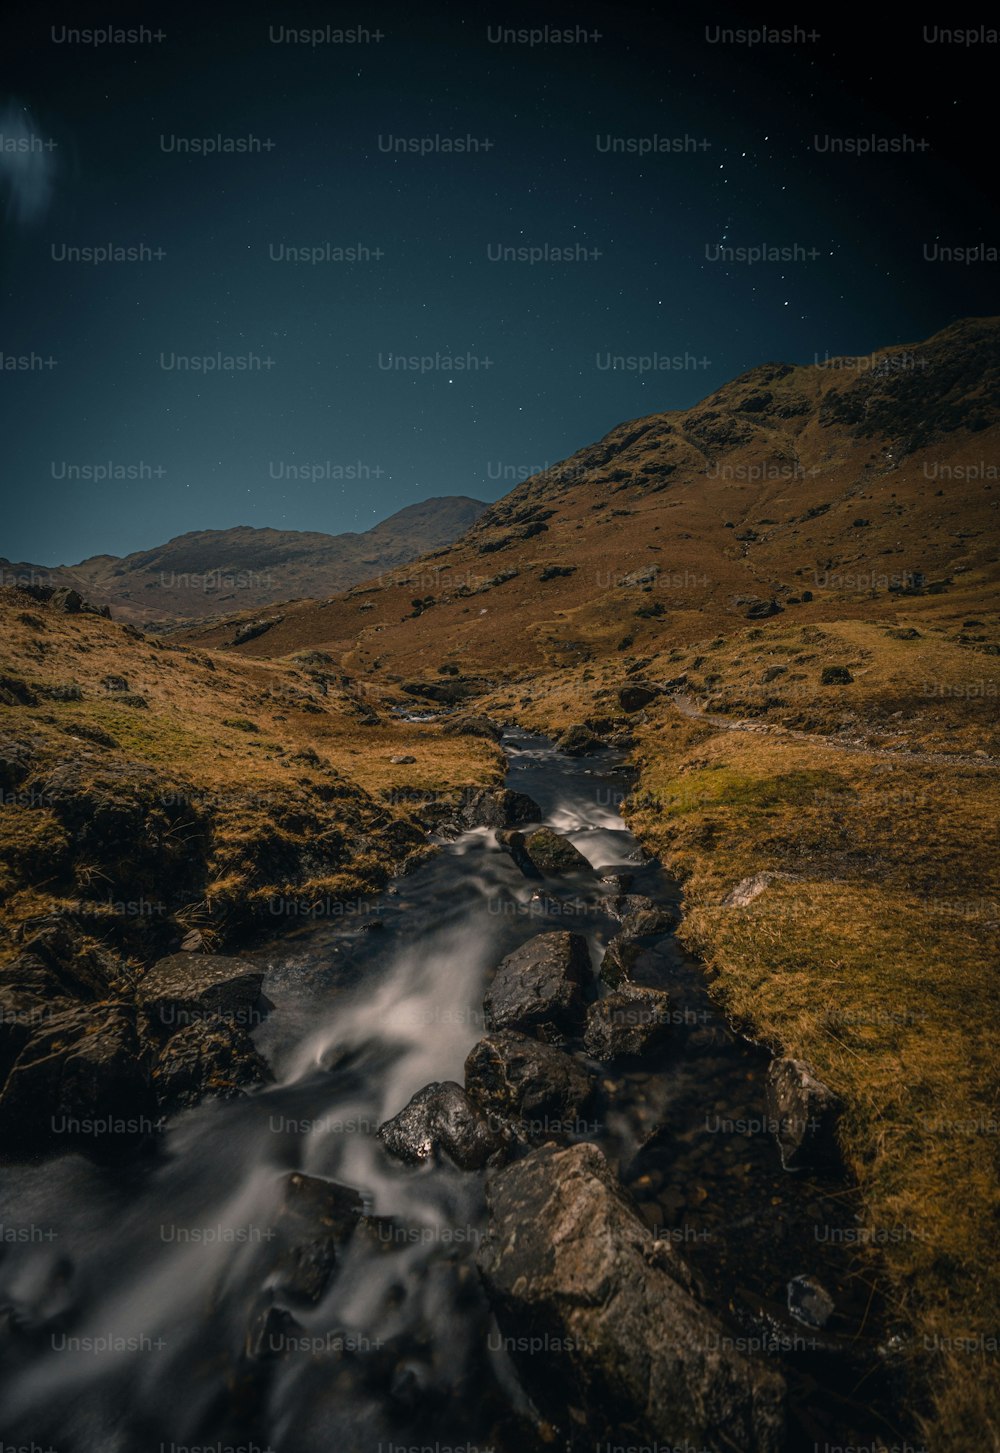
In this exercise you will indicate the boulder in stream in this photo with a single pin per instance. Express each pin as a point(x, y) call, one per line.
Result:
point(315, 1220)
point(542, 987)
point(185, 987)
point(806, 1113)
point(605, 1339)
point(495, 807)
point(207, 1057)
point(550, 852)
point(441, 1118)
point(627, 1023)
point(539, 1090)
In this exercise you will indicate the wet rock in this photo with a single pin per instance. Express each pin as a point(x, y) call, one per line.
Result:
point(188, 986)
point(640, 917)
point(604, 1338)
point(627, 1023)
point(806, 1112)
point(317, 1218)
point(809, 1302)
point(579, 741)
point(542, 986)
point(514, 843)
point(552, 853)
point(271, 1331)
point(441, 1118)
point(541, 1090)
point(619, 960)
point(641, 920)
point(496, 807)
point(206, 1058)
point(82, 1076)
point(636, 695)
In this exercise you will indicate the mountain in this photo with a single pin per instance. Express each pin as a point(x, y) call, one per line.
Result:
point(207, 572)
point(862, 481)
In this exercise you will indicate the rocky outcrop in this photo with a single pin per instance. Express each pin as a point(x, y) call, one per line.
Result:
point(441, 1119)
point(606, 1340)
point(542, 987)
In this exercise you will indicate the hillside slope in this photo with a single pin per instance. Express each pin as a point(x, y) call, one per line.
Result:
point(861, 482)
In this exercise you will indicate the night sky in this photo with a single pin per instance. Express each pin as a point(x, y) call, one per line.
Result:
point(519, 352)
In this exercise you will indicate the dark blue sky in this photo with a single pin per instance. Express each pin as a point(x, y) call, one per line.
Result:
point(222, 449)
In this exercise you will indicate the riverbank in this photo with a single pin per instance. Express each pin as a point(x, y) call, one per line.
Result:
point(157, 799)
point(837, 846)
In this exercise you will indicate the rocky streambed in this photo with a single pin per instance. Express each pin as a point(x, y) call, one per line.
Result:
point(490, 1171)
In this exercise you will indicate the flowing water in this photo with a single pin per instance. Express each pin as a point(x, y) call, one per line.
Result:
point(130, 1292)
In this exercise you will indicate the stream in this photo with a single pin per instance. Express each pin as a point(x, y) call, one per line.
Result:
point(132, 1294)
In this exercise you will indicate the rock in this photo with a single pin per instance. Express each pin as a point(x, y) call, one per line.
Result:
point(619, 960)
point(573, 1274)
point(616, 879)
point(270, 1332)
point(114, 683)
point(403, 761)
point(758, 609)
point(448, 692)
point(473, 726)
point(316, 1219)
point(641, 920)
point(70, 601)
point(206, 1058)
point(496, 807)
point(836, 676)
point(187, 987)
point(636, 695)
point(83, 1077)
point(15, 692)
point(541, 1089)
point(627, 1023)
point(250, 630)
point(441, 1118)
point(552, 853)
point(513, 842)
point(806, 1112)
point(640, 917)
point(747, 889)
point(578, 741)
point(543, 986)
point(809, 1302)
